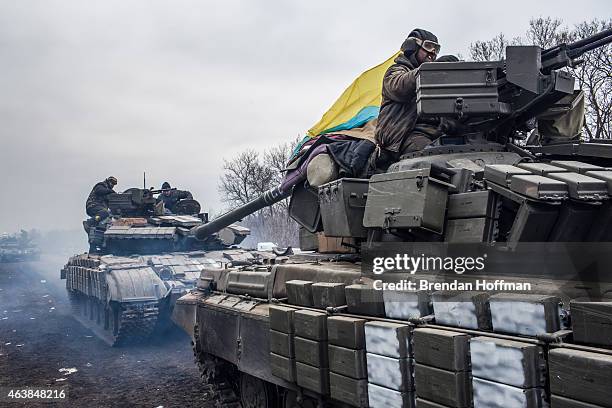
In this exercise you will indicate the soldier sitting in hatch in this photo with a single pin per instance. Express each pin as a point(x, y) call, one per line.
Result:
point(96, 205)
point(399, 129)
point(170, 197)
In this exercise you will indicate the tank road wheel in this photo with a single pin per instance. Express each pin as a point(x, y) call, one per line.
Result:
point(256, 393)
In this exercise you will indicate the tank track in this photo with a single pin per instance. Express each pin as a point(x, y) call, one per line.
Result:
point(215, 373)
point(115, 323)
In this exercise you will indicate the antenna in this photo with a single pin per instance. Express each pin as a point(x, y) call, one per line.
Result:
point(144, 180)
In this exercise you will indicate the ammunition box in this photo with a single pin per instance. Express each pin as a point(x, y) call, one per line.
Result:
point(299, 292)
point(576, 166)
point(392, 373)
point(342, 204)
point(346, 332)
point(310, 325)
point(509, 362)
point(406, 199)
point(471, 205)
point(388, 339)
point(406, 304)
point(541, 169)
point(605, 175)
point(440, 84)
point(502, 173)
point(450, 388)
point(281, 344)
point(311, 352)
point(381, 397)
point(561, 402)
point(313, 378)
point(442, 349)
point(496, 395)
point(592, 322)
point(326, 294)
point(348, 362)
point(539, 187)
point(283, 367)
point(527, 314)
point(581, 375)
point(533, 223)
point(364, 300)
point(308, 240)
point(583, 187)
point(421, 403)
point(348, 390)
point(462, 309)
point(575, 222)
point(281, 319)
point(470, 230)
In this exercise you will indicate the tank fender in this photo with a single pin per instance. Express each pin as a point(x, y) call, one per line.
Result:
point(184, 313)
point(135, 284)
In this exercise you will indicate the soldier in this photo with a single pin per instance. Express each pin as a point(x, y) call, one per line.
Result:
point(399, 130)
point(171, 196)
point(96, 205)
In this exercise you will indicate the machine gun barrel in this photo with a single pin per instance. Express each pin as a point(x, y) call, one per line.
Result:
point(268, 198)
point(562, 55)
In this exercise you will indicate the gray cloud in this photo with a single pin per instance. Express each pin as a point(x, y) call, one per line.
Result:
point(91, 88)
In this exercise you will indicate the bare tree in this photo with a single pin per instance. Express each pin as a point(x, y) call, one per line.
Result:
point(246, 177)
point(492, 50)
point(594, 75)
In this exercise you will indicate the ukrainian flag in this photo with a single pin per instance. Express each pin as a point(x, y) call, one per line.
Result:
point(357, 105)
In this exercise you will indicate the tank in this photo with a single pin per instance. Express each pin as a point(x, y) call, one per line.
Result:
point(141, 261)
point(18, 248)
point(327, 328)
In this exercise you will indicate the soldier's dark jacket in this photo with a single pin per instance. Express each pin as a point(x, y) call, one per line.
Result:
point(99, 195)
point(174, 197)
point(398, 110)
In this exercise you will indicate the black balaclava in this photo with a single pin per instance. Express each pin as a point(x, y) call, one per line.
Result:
point(409, 47)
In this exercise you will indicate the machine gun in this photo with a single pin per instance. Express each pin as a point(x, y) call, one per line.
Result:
point(491, 100)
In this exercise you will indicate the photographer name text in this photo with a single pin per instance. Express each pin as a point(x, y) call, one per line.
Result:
point(455, 285)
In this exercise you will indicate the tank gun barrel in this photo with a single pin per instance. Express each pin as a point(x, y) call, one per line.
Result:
point(268, 198)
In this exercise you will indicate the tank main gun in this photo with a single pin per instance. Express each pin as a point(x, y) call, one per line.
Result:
point(270, 197)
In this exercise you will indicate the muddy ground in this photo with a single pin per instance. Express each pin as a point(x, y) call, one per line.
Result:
point(38, 337)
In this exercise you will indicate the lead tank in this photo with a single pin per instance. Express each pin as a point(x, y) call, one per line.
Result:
point(321, 329)
point(141, 261)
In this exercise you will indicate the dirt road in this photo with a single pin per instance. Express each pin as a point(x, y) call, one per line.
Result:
point(38, 338)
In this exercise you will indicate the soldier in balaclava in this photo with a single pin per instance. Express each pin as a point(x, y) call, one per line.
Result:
point(399, 130)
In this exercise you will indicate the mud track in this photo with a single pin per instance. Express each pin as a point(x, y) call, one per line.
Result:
point(35, 319)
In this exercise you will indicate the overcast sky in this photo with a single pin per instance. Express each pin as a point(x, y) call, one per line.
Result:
point(94, 88)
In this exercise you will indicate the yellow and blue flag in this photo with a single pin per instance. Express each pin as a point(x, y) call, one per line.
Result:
point(358, 104)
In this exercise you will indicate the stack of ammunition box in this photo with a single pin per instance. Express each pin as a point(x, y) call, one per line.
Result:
point(282, 347)
point(347, 360)
point(442, 372)
point(390, 365)
point(507, 373)
point(312, 363)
